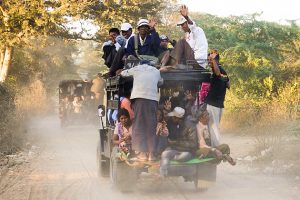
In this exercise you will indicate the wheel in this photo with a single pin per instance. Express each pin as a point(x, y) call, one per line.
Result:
point(103, 163)
point(202, 185)
point(206, 176)
point(123, 177)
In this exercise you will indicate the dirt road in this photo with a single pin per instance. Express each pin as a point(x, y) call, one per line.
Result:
point(65, 169)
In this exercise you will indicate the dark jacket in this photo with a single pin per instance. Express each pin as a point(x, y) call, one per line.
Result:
point(217, 92)
point(150, 47)
point(109, 52)
point(188, 139)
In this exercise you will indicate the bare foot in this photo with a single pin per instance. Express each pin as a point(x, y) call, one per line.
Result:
point(166, 68)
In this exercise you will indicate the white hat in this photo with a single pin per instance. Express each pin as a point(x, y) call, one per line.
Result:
point(177, 112)
point(163, 37)
point(125, 26)
point(181, 21)
point(142, 22)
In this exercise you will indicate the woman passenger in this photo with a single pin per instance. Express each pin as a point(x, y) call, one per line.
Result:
point(123, 131)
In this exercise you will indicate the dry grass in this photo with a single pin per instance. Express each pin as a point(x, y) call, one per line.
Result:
point(9, 121)
point(274, 125)
point(247, 112)
point(16, 107)
point(32, 100)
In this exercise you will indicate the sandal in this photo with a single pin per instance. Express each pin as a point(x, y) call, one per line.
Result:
point(142, 157)
point(152, 157)
point(230, 160)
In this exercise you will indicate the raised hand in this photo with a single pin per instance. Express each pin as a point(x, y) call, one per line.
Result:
point(212, 55)
point(152, 22)
point(184, 11)
point(168, 105)
point(188, 95)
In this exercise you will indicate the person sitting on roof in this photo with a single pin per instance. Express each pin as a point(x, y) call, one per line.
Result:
point(165, 44)
point(194, 47)
point(146, 42)
point(126, 30)
point(110, 48)
point(118, 62)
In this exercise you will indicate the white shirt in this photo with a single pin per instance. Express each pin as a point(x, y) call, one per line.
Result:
point(145, 81)
point(109, 42)
point(203, 133)
point(126, 132)
point(142, 41)
point(198, 42)
point(132, 34)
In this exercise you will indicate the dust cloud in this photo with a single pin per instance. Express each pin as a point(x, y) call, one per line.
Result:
point(65, 168)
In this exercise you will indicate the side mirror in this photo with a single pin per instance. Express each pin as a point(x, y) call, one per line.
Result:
point(101, 110)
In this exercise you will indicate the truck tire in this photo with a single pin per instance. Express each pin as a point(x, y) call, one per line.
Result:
point(123, 177)
point(206, 176)
point(102, 162)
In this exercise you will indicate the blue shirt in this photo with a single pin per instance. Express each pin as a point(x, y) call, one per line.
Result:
point(150, 47)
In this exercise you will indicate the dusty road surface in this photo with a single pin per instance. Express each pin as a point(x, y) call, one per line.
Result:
point(65, 169)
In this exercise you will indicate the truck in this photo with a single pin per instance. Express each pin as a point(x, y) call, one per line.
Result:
point(123, 173)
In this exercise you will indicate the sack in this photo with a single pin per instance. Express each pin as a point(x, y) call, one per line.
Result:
point(146, 58)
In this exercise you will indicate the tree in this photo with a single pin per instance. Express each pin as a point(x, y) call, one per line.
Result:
point(263, 62)
point(22, 21)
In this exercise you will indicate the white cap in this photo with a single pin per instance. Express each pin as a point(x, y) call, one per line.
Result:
point(181, 21)
point(177, 112)
point(142, 22)
point(125, 26)
point(163, 37)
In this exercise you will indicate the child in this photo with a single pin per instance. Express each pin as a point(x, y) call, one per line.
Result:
point(162, 132)
point(123, 131)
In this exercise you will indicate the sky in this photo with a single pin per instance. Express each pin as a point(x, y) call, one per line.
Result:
point(273, 10)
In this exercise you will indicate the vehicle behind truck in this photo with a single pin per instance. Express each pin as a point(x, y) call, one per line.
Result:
point(76, 102)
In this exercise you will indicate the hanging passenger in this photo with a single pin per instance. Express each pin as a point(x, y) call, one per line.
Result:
point(182, 146)
point(221, 151)
point(123, 131)
point(144, 98)
point(162, 132)
point(215, 98)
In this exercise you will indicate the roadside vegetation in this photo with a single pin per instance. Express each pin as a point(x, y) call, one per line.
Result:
point(262, 60)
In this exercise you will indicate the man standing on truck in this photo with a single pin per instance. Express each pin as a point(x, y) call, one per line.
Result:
point(144, 96)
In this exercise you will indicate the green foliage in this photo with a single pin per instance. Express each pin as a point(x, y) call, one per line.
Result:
point(262, 58)
point(263, 62)
point(45, 59)
point(10, 121)
point(265, 40)
point(21, 21)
